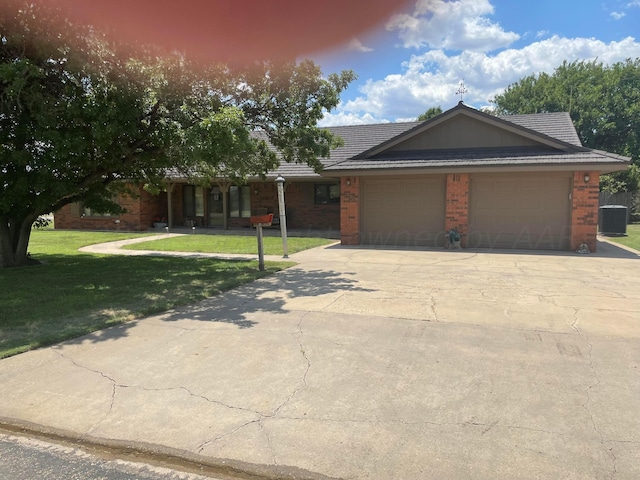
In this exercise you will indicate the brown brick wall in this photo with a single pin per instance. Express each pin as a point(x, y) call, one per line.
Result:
point(457, 204)
point(139, 215)
point(584, 216)
point(584, 210)
point(142, 211)
point(302, 212)
point(350, 211)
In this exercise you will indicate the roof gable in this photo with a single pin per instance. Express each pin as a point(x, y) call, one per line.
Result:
point(465, 138)
point(464, 127)
point(463, 131)
point(461, 137)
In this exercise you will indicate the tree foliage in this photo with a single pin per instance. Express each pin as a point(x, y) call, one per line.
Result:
point(80, 118)
point(430, 113)
point(603, 101)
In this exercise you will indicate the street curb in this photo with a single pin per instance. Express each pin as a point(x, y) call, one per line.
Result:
point(158, 455)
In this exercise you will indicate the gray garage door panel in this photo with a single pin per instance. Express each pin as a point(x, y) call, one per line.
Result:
point(528, 211)
point(403, 211)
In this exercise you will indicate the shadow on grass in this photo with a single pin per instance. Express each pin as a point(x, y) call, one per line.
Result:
point(128, 288)
point(72, 295)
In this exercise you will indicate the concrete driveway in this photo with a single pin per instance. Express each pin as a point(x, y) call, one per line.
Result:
point(369, 364)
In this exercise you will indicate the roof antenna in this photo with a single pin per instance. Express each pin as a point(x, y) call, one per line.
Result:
point(461, 90)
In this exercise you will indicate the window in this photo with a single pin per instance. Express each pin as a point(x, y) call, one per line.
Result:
point(240, 202)
point(88, 212)
point(327, 194)
point(193, 201)
point(91, 212)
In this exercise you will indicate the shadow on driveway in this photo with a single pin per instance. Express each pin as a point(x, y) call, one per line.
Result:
point(235, 306)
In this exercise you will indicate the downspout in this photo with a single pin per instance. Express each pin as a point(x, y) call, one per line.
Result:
point(224, 189)
point(170, 204)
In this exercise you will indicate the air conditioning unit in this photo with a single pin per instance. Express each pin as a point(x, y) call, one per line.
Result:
point(612, 220)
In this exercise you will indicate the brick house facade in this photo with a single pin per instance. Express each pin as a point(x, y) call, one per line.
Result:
point(522, 181)
point(142, 211)
point(584, 211)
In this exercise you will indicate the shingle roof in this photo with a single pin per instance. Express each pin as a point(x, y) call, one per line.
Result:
point(357, 138)
point(360, 142)
point(559, 146)
point(521, 156)
point(556, 125)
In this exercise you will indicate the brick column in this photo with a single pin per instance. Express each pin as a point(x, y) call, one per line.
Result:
point(350, 211)
point(457, 204)
point(584, 210)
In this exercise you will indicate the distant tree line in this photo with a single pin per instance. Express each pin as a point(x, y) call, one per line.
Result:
point(604, 104)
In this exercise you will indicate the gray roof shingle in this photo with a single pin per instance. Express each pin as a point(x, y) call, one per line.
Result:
point(481, 158)
point(361, 142)
point(556, 125)
point(357, 139)
point(556, 130)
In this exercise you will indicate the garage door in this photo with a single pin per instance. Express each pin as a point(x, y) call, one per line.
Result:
point(403, 211)
point(530, 211)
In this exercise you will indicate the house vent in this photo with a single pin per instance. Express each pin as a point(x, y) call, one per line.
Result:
point(613, 219)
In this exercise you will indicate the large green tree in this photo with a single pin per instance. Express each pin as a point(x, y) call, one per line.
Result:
point(603, 101)
point(430, 113)
point(81, 118)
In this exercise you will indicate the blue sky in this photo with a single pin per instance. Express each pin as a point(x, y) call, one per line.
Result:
point(417, 58)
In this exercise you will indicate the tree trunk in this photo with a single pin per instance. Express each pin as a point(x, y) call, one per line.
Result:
point(14, 242)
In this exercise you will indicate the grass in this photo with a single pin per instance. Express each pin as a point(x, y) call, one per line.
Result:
point(72, 293)
point(632, 239)
point(246, 244)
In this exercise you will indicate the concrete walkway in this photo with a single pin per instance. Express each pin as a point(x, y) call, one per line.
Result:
point(115, 248)
point(369, 364)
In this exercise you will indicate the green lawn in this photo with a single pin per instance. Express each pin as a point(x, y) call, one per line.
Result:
point(74, 293)
point(632, 239)
point(247, 244)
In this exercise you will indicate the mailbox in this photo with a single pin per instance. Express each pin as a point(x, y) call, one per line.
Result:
point(262, 220)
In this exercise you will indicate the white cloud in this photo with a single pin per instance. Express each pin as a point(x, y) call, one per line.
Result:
point(617, 15)
point(451, 25)
point(344, 118)
point(356, 45)
point(432, 78)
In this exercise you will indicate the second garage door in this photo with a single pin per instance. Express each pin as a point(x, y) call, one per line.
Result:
point(529, 211)
point(403, 211)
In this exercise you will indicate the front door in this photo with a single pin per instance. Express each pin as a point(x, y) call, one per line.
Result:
point(216, 207)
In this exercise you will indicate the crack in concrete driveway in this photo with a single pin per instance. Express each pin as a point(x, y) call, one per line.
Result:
point(364, 363)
